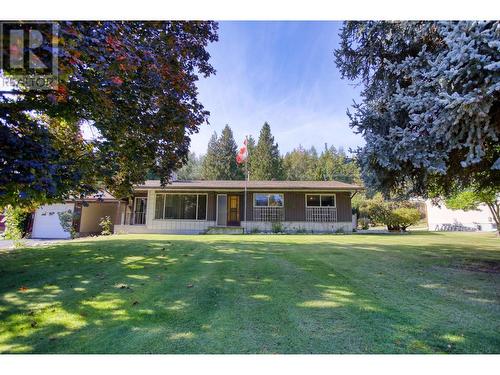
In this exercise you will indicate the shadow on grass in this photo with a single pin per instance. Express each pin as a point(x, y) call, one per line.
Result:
point(301, 294)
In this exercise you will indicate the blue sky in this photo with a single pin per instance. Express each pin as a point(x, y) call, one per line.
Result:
point(283, 73)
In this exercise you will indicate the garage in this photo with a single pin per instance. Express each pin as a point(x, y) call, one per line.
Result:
point(46, 222)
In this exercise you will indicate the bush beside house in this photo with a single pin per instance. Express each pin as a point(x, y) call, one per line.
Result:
point(396, 215)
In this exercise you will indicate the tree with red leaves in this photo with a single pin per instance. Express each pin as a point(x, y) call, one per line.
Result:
point(134, 83)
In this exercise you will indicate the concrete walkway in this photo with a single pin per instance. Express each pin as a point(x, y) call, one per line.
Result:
point(9, 244)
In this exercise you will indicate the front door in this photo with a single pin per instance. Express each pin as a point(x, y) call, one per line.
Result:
point(233, 212)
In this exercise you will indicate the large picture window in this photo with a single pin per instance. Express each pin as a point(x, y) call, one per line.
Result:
point(181, 206)
point(320, 200)
point(268, 200)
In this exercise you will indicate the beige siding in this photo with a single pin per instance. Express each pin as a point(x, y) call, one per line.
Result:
point(92, 214)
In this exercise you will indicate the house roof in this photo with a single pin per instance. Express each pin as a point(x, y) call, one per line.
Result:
point(101, 196)
point(251, 185)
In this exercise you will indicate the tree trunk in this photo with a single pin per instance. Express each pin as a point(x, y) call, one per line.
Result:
point(495, 211)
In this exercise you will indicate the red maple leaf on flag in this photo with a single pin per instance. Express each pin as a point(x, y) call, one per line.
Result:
point(242, 154)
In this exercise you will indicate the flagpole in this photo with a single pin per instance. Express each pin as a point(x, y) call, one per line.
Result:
point(246, 179)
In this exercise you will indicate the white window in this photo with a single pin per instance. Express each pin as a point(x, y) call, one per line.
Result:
point(320, 200)
point(268, 200)
point(181, 206)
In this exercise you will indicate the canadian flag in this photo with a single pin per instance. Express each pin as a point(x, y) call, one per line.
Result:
point(242, 154)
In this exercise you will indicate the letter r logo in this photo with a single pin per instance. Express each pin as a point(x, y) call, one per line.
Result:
point(28, 48)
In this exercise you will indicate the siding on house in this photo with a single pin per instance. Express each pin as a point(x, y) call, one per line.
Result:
point(91, 216)
point(295, 205)
point(344, 208)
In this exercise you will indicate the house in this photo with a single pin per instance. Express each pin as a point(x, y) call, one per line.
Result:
point(219, 206)
point(87, 213)
point(197, 206)
point(439, 217)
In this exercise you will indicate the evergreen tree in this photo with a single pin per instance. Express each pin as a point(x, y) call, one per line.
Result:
point(335, 165)
point(209, 166)
point(220, 160)
point(228, 149)
point(430, 103)
point(251, 151)
point(266, 163)
point(192, 170)
point(300, 164)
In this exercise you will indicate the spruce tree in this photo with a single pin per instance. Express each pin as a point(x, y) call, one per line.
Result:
point(430, 104)
point(209, 166)
point(229, 169)
point(266, 162)
point(251, 151)
point(220, 160)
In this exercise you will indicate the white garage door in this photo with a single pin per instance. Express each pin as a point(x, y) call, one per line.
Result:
point(46, 223)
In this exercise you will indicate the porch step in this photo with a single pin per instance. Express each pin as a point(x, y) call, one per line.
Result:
point(224, 230)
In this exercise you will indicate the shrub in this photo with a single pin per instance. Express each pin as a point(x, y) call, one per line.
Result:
point(106, 225)
point(277, 227)
point(401, 218)
point(396, 215)
point(16, 221)
point(66, 220)
point(376, 209)
point(364, 223)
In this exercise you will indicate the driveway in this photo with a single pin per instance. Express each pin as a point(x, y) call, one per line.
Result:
point(9, 244)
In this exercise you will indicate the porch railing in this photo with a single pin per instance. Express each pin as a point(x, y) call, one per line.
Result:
point(135, 218)
point(268, 213)
point(321, 214)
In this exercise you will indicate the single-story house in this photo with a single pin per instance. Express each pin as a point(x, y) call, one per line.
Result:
point(221, 206)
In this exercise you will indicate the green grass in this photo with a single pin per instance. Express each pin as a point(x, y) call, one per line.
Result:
point(417, 293)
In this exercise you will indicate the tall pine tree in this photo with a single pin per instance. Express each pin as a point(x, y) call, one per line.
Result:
point(266, 162)
point(228, 150)
point(220, 160)
point(251, 151)
point(209, 166)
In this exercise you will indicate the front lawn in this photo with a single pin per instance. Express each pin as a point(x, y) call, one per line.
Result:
point(417, 293)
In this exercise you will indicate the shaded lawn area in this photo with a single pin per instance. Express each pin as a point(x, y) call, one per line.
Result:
point(417, 293)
